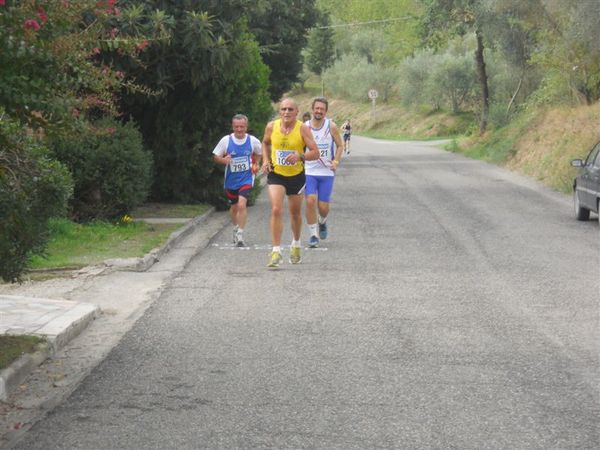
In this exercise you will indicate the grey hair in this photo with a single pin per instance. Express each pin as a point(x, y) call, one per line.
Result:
point(240, 117)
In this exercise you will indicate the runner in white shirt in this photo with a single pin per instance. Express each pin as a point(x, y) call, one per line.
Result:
point(239, 152)
point(320, 173)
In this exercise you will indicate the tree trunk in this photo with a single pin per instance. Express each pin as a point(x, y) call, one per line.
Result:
point(483, 83)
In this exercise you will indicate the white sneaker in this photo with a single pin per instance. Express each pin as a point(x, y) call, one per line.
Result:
point(239, 240)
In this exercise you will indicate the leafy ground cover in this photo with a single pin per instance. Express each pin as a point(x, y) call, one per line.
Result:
point(12, 347)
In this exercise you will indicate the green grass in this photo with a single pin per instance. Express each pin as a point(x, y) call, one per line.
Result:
point(12, 347)
point(74, 245)
point(163, 210)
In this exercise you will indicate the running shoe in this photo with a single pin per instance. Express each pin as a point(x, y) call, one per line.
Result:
point(275, 259)
point(235, 237)
point(323, 230)
point(295, 256)
point(240, 241)
point(313, 242)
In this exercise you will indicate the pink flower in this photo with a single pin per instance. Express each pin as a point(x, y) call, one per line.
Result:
point(114, 32)
point(142, 45)
point(2, 2)
point(42, 14)
point(96, 51)
point(32, 24)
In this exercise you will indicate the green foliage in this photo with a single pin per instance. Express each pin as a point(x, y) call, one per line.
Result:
point(75, 245)
point(569, 49)
point(33, 188)
point(110, 167)
point(280, 27)
point(321, 50)
point(352, 77)
point(202, 86)
point(50, 71)
point(385, 31)
point(453, 79)
point(441, 80)
point(12, 347)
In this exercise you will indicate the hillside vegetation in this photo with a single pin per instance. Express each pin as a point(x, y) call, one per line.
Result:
point(539, 144)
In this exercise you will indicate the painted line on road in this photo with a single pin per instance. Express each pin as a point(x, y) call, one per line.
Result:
point(261, 247)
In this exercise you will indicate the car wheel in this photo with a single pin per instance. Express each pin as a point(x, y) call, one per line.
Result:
point(581, 213)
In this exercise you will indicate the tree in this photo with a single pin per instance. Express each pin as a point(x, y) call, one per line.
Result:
point(208, 70)
point(393, 23)
point(444, 18)
point(568, 45)
point(51, 82)
point(321, 48)
point(280, 27)
point(50, 73)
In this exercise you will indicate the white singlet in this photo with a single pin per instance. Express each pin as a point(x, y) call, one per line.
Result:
point(326, 145)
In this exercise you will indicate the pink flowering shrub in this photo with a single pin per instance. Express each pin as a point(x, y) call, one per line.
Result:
point(52, 60)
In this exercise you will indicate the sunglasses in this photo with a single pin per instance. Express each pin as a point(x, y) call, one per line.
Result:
point(287, 109)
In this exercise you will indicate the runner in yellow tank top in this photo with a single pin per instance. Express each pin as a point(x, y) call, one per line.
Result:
point(283, 145)
point(283, 160)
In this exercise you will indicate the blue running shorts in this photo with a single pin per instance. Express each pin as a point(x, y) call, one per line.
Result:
point(322, 186)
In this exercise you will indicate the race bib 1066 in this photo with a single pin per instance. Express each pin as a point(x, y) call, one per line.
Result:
point(281, 155)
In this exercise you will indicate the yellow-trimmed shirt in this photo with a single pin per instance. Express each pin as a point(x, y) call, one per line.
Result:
point(282, 145)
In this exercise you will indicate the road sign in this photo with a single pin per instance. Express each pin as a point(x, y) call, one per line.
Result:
point(373, 94)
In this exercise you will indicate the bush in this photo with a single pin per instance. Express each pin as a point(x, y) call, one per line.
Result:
point(111, 169)
point(33, 188)
point(352, 76)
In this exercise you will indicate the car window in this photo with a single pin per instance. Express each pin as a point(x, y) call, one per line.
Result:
point(593, 156)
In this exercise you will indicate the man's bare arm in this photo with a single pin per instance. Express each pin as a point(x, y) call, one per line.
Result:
point(313, 151)
point(339, 144)
point(266, 148)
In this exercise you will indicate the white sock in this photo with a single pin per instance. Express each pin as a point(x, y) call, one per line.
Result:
point(240, 230)
point(296, 243)
point(322, 220)
point(312, 228)
point(277, 248)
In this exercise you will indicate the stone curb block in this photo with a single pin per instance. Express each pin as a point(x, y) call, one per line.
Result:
point(57, 337)
point(142, 264)
point(13, 375)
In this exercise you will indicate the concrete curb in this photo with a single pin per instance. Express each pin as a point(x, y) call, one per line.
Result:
point(58, 335)
point(12, 376)
point(153, 256)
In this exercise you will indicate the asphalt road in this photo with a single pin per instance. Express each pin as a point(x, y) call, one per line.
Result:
point(455, 305)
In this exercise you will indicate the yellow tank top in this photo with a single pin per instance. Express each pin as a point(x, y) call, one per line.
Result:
point(282, 145)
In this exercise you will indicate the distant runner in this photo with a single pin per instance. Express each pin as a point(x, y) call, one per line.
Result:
point(283, 149)
point(320, 174)
point(347, 130)
point(239, 152)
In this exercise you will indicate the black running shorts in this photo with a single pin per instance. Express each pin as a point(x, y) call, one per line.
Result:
point(294, 185)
